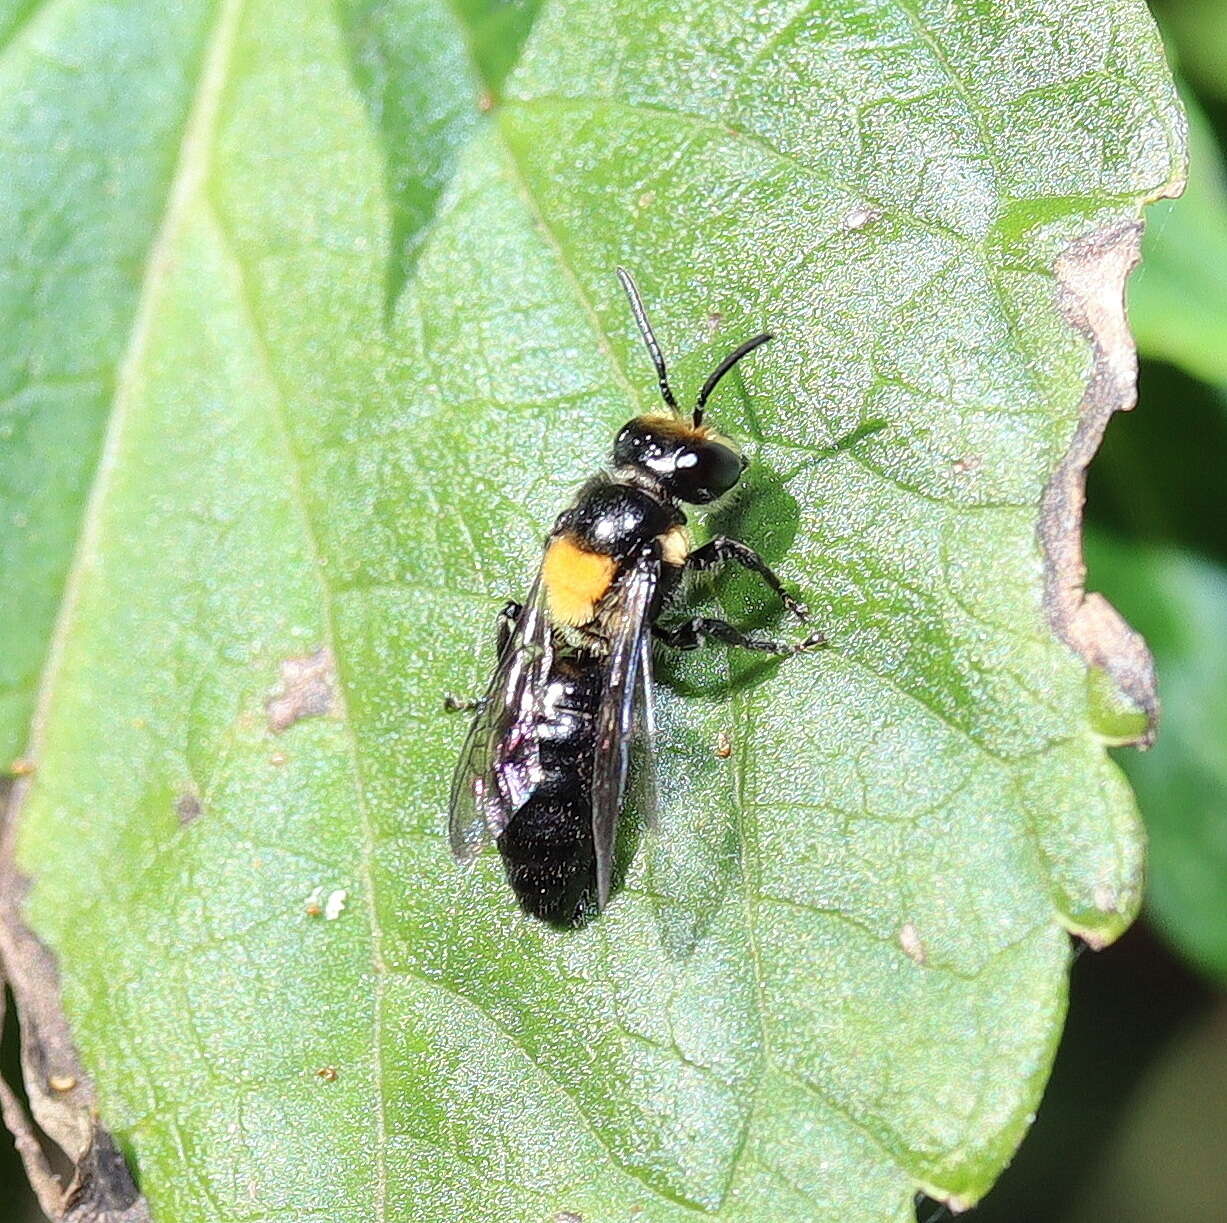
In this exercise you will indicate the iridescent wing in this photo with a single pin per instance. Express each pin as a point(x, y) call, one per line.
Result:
point(626, 677)
point(501, 759)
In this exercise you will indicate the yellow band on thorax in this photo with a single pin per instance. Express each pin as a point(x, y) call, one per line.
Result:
point(575, 580)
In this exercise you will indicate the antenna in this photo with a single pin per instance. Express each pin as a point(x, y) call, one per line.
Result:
point(645, 329)
point(723, 368)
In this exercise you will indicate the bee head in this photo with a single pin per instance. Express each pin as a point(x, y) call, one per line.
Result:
point(689, 462)
point(686, 459)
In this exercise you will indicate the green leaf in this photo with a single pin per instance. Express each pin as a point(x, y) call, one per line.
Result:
point(426, 71)
point(97, 99)
point(838, 971)
point(1180, 603)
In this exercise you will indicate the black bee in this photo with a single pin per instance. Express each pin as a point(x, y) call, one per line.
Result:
point(544, 768)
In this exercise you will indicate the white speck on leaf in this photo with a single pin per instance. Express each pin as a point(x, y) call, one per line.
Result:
point(859, 217)
point(334, 906)
point(909, 940)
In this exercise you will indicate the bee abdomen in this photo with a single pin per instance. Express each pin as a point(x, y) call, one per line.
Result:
point(547, 845)
point(547, 852)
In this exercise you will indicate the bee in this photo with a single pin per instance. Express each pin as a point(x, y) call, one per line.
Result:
point(544, 768)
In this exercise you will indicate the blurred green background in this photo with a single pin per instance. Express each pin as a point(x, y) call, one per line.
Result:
point(1134, 1124)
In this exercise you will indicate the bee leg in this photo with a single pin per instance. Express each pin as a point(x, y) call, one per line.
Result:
point(698, 631)
point(508, 618)
point(722, 549)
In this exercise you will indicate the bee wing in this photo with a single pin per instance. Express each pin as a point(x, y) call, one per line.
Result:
point(645, 734)
point(615, 724)
point(501, 758)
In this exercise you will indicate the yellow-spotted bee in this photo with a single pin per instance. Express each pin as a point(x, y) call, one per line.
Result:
point(544, 768)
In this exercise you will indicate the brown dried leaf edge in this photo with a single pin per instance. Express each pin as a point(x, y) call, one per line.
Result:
point(1091, 277)
point(62, 1101)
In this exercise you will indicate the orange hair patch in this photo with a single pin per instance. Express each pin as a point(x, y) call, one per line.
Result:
point(575, 580)
point(674, 426)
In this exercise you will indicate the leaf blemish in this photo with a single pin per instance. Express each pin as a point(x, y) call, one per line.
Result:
point(328, 907)
point(307, 690)
point(187, 808)
point(1092, 274)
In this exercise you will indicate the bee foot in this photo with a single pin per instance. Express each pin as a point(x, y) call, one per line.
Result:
point(797, 608)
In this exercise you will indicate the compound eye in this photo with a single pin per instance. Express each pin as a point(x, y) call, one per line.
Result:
point(721, 468)
point(706, 472)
